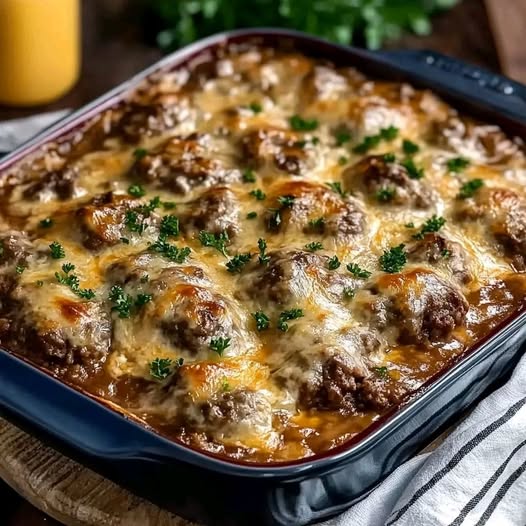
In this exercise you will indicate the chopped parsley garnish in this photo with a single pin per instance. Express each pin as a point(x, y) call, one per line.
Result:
point(337, 187)
point(72, 281)
point(249, 176)
point(409, 147)
point(286, 201)
point(46, 223)
point(389, 157)
point(170, 252)
point(299, 124)
point(217, 241)
point(468, 189)
point(252, 215)
point(219, 345)
point(434, 224)
point(57, 250)
point(20, 269)
point(133, 223)
point(255, 107)
point(125, 240)
point(262, 245)
point(274, 220)
point(262, 320)
point(382, 372)
point(169, 226)
point(317, 224)
point(136, 190)
point(161, 368)
point(457, 164)
point(258, 194)
point(333, 263)
point(412, 170)
point(225, 386)
point(150, 207)
point(394, 259)
point(169, 205)
point(342, 137)
point(237, 263)
point(357, 271)
point(287, 315)
point(446, 254)
point(314, 246)
point(372, 141)
point(139, 153)
point(343, 160)
point(124, 304)
point(410, 225)
point(348, 293)
point(384, 195)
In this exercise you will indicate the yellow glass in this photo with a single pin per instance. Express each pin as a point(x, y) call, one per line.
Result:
point(39, 50)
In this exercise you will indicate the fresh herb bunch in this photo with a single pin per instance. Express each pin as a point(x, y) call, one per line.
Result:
point(368, 22)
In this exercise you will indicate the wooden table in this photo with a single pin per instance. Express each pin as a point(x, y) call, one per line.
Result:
point(114, 50)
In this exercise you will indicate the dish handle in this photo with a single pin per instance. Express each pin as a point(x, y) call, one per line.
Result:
point(479, 85)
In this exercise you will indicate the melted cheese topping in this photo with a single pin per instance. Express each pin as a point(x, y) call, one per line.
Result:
point(249, 351)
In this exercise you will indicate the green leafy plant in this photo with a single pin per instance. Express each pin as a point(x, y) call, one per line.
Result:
point(368, 22)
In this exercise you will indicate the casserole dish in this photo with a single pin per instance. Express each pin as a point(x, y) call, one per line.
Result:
point(297, 492)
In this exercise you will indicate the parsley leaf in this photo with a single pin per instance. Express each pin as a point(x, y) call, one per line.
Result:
point(255, 107)
point(342, 137)
point(337, 187)
point(299, 124)
point(342, 160)
point(286, 201)
point(217, 241)
point(249, 176)
point(169, 226)
point(133, 223)
point(409, 147)
point(384, 195)
point(170, 252)
point(263, 258)
point(136, 190)
point(161, 368)
point(219, 345)
point(139, 153)
point(46, 223)
point(57, 250)
point(470, 188)
point(382, 372)
point(262, 320)
point(457, 164)
point(314, 246)
point(348, 293)
point(412, 171)
point(19, 269)
point(357, 271)
point(252, 215)
point(122, 302)
point(372, 141)
point(434, 224)
point(72, 281)
point(258, 194)
point(333, 263)
point(394, 259)
point(389, 157)
point(287, 315)
point(237, 263)
point(317, 224)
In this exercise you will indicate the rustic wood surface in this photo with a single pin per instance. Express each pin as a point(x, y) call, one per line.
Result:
point(113, 50)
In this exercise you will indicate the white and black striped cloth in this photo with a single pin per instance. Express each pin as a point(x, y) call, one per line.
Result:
point(476, 477)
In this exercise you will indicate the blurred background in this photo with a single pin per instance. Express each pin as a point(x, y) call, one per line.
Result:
point(49, 61)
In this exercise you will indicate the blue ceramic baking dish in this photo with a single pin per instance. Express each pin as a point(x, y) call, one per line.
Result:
point(221, 492)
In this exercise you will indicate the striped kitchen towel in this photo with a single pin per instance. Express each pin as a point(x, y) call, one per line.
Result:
point(476, 477)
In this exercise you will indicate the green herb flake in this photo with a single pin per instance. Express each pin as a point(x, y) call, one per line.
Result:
point(342, 137)
point(142, 299)
point(299, 124)
point(122, 302)
point(249, 176)
point(434, 224)
point(410, 225)
point(140, 153)
point(169, 226)
point(409, 147)
point(19, 269)
point(169, 205)
point(46, 223)
point(333, 263)
point(412, 170)
point(72, 281)
point(238, 262)
point(258, 194)
point(286, 201)
point(217, 241)
point(161, 368)
point(470, 188)
point(394, 259)
point(219, 345)
point(314, 246)
point(384, 195)
point(317, 224)
point(262, 320)
point(125, 240)
point(446, 254)
point(342, 161)
point(252, 215)
point(133, 223)
point(357, 271)
point(136, 190)
point(57, 250)
point(288, 315)
point(256, 107)
point(348, 293)
point(170, 252)
point(372, 141)
point(263, 257)
point(457, 164)
point(382, 372)
point(389, 157)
